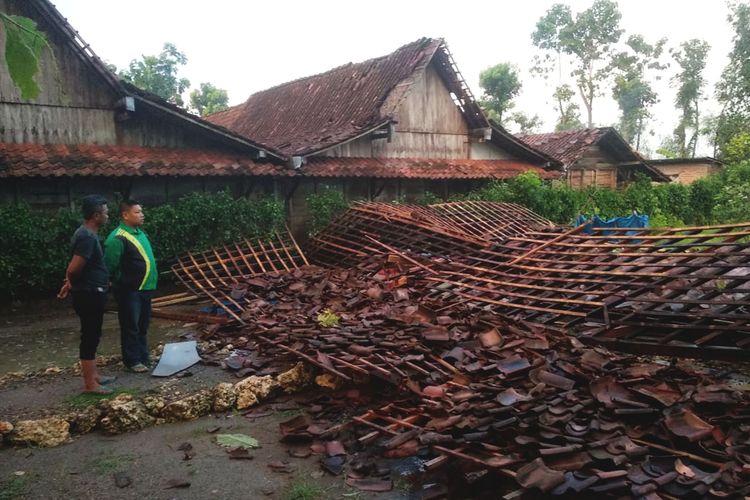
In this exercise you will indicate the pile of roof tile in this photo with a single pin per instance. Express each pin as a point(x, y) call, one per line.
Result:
point(667, 291)
point(444, 229)
point(503, 399)
point(463, 309)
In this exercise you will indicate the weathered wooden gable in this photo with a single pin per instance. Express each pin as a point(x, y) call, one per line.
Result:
point(75, 104)
point(428, 125)
point(595, 167)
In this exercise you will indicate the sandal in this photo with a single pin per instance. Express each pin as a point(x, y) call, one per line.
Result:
point(106, 379)
point(137, 368)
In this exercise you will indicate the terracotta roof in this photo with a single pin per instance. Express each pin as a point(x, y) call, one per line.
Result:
point(419, 168)
point(61, 160)
point(316, 112)
point(58, 160)
point(567, 146)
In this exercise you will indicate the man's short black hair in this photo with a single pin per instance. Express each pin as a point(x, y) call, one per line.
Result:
point(91, 205)
point(126, 205)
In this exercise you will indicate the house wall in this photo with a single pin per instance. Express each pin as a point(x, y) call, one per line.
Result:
point(594, 168)
point(429, 125)
point(74, 105)
point(685, 173)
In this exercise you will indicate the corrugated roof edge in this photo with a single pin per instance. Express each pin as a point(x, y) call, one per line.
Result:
point(183, 114)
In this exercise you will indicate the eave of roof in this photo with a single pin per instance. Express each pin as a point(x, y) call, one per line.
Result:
point(516, 146)
point(687, 161)
point(165, 106)
point(419, 168)
point(93, 160)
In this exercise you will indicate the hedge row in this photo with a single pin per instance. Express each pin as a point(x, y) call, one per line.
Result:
point(718, 199)
point(36, 244)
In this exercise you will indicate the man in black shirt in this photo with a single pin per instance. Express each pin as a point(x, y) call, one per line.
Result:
point(87, 279)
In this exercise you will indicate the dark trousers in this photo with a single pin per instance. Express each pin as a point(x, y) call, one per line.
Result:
point(89, 306)
point(134, 314)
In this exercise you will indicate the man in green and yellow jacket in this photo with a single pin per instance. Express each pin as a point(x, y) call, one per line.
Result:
point(132, 269)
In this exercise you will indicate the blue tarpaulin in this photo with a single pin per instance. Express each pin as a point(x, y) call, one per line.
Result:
point(634, 220)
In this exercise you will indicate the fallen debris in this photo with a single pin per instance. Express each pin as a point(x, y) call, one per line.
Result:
point(237, 441)
point(512, 397)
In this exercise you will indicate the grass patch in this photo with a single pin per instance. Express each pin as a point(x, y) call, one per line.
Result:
point(111, 463)
point(303, 490)
point(13, 488)
point(353, 494)
point(81, 401)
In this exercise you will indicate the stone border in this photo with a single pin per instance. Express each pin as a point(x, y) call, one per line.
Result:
point(125, 413)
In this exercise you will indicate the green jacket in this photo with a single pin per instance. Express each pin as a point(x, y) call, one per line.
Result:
point(130, 259)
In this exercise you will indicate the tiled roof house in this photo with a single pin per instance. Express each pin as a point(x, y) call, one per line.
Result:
point(390, 127)
point(594, 156)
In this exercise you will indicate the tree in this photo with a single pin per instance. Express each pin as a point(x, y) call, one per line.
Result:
point(588, 39)
point(733, 89)
point(668, 147)
point(208, 99)
point(23, 48)
point(570, 117)
point(500, 85)
point(738, 148)
point(691, 58)
point(158, 74)
point(525, 124)
point(632, 89)
point(548, 36)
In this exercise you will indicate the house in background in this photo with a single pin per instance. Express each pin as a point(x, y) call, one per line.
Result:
point(88, 132)
point(388, 128)
point(687, 170)
point(594, 157)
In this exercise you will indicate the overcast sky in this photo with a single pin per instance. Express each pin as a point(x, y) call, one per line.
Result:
point(244, 46)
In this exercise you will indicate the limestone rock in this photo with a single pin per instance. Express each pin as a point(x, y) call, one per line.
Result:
point(154, 405)
point(124, 414)
point(329, 381)
point(45, 433)
point(84, 421)
point(224, 397)
point(295, 379)
point(253, 389)
point(5, 427)
point(189, 408)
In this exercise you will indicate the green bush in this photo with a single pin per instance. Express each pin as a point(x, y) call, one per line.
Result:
point(36, 243)
point(323, 206)
point(199, 221)
point(721, 198)
point(35, 249)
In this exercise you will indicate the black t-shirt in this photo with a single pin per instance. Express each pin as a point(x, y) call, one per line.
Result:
point(95, 276)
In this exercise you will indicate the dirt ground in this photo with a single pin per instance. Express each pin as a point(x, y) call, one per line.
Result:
point(149, 459)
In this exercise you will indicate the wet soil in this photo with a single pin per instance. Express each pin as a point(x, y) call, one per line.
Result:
point(86, 468)
point(45, 334)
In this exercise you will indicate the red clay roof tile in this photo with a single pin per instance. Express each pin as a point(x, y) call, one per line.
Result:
point(59, 160)
point(314, 112)
point(566, 146)
point(420, 168)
